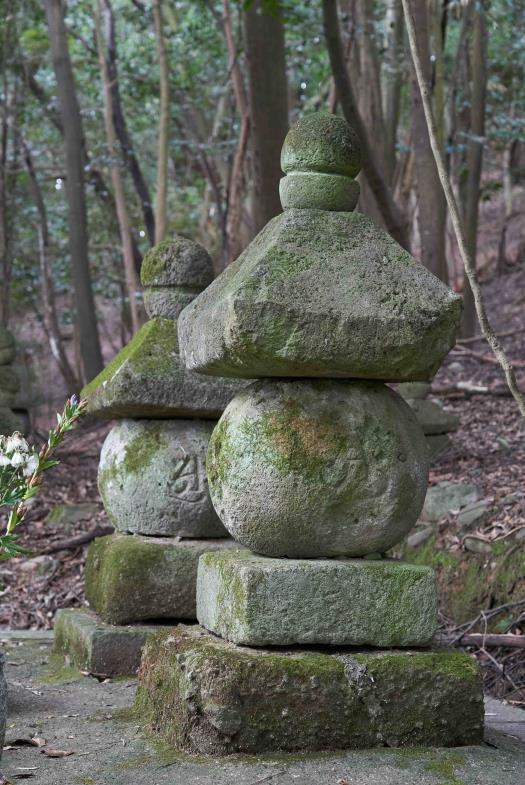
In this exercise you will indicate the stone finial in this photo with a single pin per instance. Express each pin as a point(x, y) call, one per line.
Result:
point(173, 273)
point(321, 156)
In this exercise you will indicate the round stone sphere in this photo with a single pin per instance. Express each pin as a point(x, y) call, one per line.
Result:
point(317, 468)
point(152, 478)
point(321, 143)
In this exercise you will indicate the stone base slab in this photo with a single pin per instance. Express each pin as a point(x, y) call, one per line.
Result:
point(132, 578)
point(97, 647)
point(258, 601)
point(207, 696)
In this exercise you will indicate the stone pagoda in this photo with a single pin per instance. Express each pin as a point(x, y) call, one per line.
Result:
point(151, 475)
point(311, 637)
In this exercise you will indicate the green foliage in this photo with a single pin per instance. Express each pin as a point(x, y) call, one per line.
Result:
point(22, 469)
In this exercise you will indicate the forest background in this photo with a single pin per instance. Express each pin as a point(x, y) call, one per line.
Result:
point(123, 121)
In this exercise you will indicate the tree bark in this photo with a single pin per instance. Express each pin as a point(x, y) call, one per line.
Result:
point(431, 201)
point(392, 217)
point(268, 102)
point(161, 202)
point(392, 70)
point(468, 262)
point(46, 280)
point(235, 191)
point(75, 190)
point(475, 147)
point(132, 279)
point(120, 125)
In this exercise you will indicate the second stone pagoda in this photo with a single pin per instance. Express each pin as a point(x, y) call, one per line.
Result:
point(151, 476)
point(317, 469)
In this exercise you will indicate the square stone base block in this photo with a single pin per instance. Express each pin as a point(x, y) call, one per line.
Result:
point(132, 578)
point(207, 696)
point(103, 649)
point(259, 601)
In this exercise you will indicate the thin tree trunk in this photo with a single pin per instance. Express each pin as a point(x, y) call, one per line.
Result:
point(475, 153)
point(392, 217)
point(95, 175)
point(468, 261)
point(161, 202)
point(268, 102)
point(75, 190)
point(46, 281)
point(431, 201)
point(132, 279)
point(392, 79)
point(237, 173)
point(121, 129)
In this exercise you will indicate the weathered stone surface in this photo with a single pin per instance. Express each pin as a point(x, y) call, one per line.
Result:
point(172, 274)
point(318, 468)
point(432, 416)
point(448, 496)
point(9, 385)
point(152, 478)
point(208, 696)
point(474, 513)
point(131, 578)
point(258, 601)
point(99, 648)
point(316, 191)
point(437, 444)
point(7, 346)
point(321, 293)
point(321, 143)
point(178, 261)
point(146, 379)
point(411, 390)
point(9, 421)
point(3, 703)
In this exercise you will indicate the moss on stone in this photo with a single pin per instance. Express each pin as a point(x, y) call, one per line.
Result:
point(202, 695)
point(469, 582)
point(321, 142)
point(58, 671)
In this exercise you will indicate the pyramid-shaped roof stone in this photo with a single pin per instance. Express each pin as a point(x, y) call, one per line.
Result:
point(147, 378)
point(321, 291)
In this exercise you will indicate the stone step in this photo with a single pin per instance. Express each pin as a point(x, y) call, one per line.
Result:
point(207, 696)
point(104, 649)
point(259, 601)
point(130, 578)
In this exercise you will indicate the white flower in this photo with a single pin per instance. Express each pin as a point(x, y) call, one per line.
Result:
point(31, 466)
point(4, 460)
point(16, 442)
point(17, 459)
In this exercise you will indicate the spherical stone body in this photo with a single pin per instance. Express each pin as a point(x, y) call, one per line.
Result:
point(318, 468)
point(152, 478)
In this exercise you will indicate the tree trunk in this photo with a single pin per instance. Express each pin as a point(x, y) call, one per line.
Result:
point(235, 191)
point(268, 102)
point(393, 219)
point(161, 202)
point(132, 279)
point(75, 190)
point(431, 200)
point(46, 281)
point(475, 153)
point(392, 70)
point(119, 123)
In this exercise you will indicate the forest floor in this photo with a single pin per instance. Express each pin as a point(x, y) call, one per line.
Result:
point(488, 450)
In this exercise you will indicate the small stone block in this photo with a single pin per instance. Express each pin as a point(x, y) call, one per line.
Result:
point(207, 696)
point(97, 647)
point(131, 578)
point(260, 601)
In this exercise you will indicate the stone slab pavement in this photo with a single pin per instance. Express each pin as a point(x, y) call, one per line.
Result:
point(92, 720)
